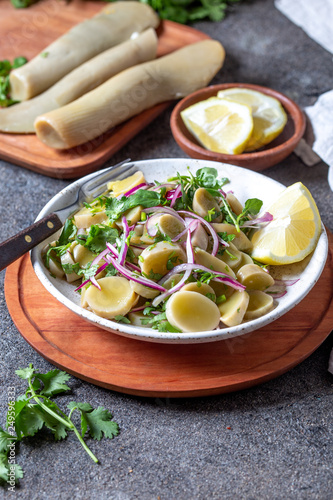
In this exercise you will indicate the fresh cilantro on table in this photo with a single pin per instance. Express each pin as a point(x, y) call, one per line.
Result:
point(35, 410)
point(5, 69)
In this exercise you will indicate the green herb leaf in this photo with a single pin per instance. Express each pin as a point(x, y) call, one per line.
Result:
point(25, 373)
point(22, 4)
point(67, 234)
point(5, 69)
point(5, 440)
point(54, 382)
point(122, 319)
point(252, 206)
point(71, 268)
point(19, 61)
point(97, 238)
point(115, 208)
point(5, 468)
point(80, 406)
point(100, 423)
point(28, 421)
point(35, 410)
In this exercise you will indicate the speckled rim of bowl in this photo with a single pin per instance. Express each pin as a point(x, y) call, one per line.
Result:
point(257, 160)
point(252, 184)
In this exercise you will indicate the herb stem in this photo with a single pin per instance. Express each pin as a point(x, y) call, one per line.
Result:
point(48, 410)
point(226, 206)
point(90, 453)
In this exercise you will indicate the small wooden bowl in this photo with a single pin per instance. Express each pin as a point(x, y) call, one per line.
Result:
point(269, 155)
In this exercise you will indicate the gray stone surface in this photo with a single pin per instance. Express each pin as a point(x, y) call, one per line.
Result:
point(270, 442)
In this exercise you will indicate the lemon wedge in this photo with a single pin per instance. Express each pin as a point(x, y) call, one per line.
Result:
point(123, 186)
point(269, 117)
point(220, 125)
point(294, 230)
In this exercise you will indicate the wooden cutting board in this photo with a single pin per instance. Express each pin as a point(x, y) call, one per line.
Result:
point(25, 32)
point(160, 370)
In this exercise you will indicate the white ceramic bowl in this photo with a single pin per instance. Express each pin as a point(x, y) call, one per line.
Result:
point(245, 184)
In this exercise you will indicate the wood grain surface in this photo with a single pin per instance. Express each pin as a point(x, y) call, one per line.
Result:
point(28, 31)
point(160, 370)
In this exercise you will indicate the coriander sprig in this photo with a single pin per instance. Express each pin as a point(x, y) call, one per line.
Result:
point(5, 68)
point(35, 410)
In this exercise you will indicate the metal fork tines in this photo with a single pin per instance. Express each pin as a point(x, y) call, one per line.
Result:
point(91, 188)
point(97, 185)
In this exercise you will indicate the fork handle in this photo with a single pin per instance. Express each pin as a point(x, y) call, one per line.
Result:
point(25, 240)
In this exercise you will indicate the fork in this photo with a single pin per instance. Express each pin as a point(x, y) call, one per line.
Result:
point(94, 185)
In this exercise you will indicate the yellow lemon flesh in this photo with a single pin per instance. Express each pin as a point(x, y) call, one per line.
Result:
point(269, 117)
point(294, 231)
point(219, 125)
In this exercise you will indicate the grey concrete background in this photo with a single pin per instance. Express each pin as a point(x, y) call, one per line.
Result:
point(270, 442)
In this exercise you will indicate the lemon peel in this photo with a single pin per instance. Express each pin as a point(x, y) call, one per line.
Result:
point(220, 125)
point(294, 231)
point(269, 117)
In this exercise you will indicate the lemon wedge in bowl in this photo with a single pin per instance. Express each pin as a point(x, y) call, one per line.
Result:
point(220, 125)
point(269, 117)
point(294, 230)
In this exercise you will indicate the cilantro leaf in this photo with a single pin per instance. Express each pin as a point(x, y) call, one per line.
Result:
point(83, 408)
point(80, 406)
point(115, 208)
point(19, 61)
point(71, 268)
point(28, 421)
point(35, 410)
point(122, 319)
point(99, 423)
point(184, 11)
point(22, 4)
point(110, 270)
point(5, 468)
point(54, 382)
point(67, 234)
point(5, 69)
point(97, 238)
point(5, 439)
point(25, 373)
point(51, 421)
point(165, 326)
point(88, 271)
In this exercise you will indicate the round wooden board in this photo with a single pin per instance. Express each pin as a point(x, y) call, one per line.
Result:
point(161, 370)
